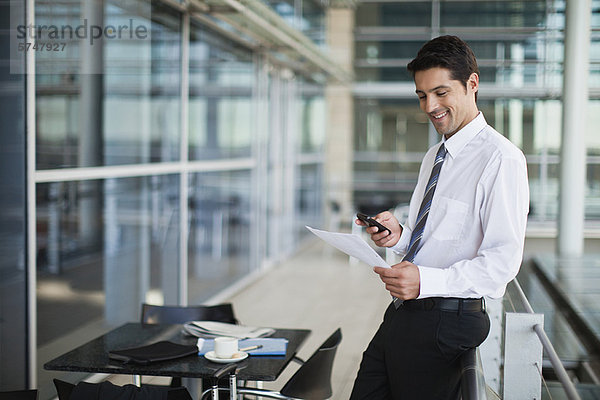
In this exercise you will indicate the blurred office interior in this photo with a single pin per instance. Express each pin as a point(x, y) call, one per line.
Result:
point(177, 167)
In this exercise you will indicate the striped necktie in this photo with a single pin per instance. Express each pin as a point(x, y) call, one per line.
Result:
point(417, 232)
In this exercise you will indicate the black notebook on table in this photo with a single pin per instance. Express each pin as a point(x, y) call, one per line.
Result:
point(159, 351)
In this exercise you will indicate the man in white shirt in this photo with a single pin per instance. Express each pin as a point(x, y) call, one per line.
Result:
point(463, 239)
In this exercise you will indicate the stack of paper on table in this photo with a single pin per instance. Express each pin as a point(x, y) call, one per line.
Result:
point(270, 346)
point(208, 329)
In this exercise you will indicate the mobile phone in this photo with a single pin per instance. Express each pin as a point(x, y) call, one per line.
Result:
point(371, 222)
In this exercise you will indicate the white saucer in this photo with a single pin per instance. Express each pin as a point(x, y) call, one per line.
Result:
point(212, 357)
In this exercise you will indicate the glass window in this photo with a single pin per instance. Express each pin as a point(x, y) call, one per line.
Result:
point(528, 52)
point(383, 74)
point(535, 126)
point(592, 140)
point(391, 126)
point(492, 14)
point(510, 62)
point(13, 214)
point(312, 22)
point(547, 120)
point(372, 50)
point(220, 234)
point(594, 80)
point(58, 69)
point(595, 19)
point(142, 94)
point(104, 247)
point(286, 9)
point(221, 110)
point(514, 119)
point(391, 138)
point(127, 109)
point(309, 198)
point(312, 120)
point(309, 172)
point(543, 189)
point(592, 195)
point(307, 16)
point(392, 14)
point(58, 87)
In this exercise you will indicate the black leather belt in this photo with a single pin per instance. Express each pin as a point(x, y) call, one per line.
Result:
point(445, 304)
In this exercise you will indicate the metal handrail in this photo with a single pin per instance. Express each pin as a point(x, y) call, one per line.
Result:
point(559, 368)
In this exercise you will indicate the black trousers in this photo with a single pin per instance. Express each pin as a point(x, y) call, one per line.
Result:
point(415, 354)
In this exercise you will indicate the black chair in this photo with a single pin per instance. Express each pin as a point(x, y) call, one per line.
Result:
point(152, 314)
point(107, 390)
point(19, 395)
point(311, 381)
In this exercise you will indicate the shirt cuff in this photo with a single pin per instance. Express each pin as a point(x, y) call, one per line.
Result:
point(402, 246)
point(433, 282)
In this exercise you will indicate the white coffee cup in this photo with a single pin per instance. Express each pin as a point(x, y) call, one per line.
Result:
point(225, 347)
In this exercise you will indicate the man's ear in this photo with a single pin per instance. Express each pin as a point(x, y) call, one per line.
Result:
point(473, 82)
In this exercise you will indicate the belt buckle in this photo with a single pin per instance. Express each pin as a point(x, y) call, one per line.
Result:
point(483, 307)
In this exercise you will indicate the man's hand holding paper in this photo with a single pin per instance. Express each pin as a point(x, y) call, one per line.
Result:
point(401, 280)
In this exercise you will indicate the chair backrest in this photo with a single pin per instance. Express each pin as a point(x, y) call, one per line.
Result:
point(152, 314)
point(313, 378)
point(19, 395)
point(107, 390)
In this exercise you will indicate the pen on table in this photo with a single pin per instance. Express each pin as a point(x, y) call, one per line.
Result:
point(251, 348)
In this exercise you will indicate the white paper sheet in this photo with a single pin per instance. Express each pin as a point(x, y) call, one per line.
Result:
point(353, 245)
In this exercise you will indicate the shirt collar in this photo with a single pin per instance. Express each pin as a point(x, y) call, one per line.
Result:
point(457, 141)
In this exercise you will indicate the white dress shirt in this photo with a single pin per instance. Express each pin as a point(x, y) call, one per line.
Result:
point(472, 245)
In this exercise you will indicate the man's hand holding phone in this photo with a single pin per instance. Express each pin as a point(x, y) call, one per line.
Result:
point(386, 237)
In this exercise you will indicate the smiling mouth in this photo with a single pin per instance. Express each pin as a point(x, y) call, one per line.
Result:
point(439, 116)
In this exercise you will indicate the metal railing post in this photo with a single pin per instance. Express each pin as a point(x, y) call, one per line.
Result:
point(490, 350)
point(559, 368)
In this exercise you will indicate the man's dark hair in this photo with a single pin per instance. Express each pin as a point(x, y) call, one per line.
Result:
point(448, 52)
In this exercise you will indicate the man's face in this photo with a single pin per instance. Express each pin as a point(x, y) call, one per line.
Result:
point(446, 102)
